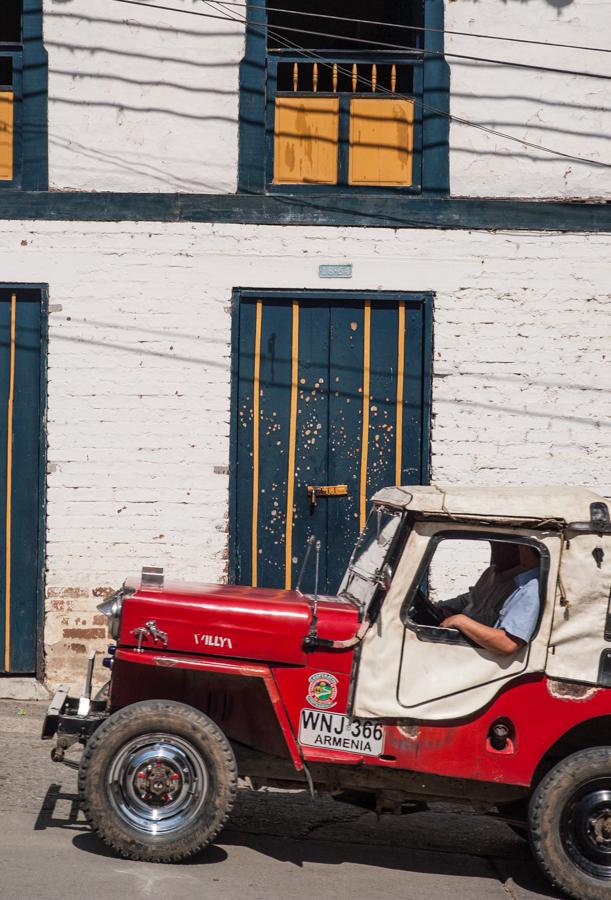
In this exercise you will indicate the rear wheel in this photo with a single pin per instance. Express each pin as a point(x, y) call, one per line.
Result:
point(570, 824)
point(157, 781)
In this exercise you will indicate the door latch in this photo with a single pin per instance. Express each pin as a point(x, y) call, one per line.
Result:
point(326, 490)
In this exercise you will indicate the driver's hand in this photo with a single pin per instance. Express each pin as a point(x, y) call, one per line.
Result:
point(453, 621)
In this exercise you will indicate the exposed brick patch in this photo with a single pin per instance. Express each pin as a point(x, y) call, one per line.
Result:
point(74, 593)
point(102, 591)
point(85, 634)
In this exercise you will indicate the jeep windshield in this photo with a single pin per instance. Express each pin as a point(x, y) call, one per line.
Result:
point(371, 552)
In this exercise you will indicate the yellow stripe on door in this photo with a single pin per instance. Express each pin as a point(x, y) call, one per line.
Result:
point(400, 379)
point(255, 444)
point(9, 489)
point(366, 399)
point(290, 492)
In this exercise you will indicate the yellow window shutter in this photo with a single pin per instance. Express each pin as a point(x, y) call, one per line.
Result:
point(306, 135)
point(6, 135)
point(381, 141)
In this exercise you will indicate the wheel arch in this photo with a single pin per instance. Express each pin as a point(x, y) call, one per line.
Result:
point(242, 700)
point(595, 732)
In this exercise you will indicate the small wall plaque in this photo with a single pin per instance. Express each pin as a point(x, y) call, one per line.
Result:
point(341, 270)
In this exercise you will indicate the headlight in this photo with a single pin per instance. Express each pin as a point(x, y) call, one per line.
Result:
point(111, 607)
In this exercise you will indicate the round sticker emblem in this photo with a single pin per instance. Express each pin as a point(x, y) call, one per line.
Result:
point(322, 691)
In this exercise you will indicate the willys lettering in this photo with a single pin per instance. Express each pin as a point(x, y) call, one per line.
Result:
point(212, 640)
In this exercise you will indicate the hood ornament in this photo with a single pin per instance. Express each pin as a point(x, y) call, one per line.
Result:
point(150, 630)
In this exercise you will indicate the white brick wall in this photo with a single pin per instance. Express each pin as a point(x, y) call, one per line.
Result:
point(141, 100)
point(147, 100)
point(568, 113)
point(139, 377)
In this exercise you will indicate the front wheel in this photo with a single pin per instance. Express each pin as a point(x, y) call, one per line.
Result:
point(570, 824)
point(157, 781)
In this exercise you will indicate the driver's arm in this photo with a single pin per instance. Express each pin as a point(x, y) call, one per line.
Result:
point(518, 619)
point(496, 639)
point(454, 604)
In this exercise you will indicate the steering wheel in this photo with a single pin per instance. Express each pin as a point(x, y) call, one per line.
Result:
point(429, 608)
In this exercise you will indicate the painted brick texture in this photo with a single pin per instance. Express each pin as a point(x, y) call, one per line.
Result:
point(139, 378)
point(147, 99)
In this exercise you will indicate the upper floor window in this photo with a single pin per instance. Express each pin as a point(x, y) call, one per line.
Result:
point(335, 97)
point(23, 72)
point(342, 108)
point(10, 84)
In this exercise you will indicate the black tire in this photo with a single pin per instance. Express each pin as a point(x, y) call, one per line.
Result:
point(570, 824)
point(157, 766)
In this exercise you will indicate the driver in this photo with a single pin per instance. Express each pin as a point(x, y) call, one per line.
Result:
point(501, 611)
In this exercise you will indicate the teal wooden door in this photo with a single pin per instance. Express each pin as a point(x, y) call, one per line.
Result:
point(331, 391)
point(20, 492)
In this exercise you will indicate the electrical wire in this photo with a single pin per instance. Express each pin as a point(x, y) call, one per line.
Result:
point(440, 54)
point(420, 28)
point(426, 106)
point(302, 51)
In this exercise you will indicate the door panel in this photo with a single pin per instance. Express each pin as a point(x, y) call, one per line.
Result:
point(437, 672)
point(401, 676)
point(274, 398)
point(345, 430)
point(20, 427)
point(330, 392)
point(311, 436)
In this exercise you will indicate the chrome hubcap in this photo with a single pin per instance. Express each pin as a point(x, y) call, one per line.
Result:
point(157, 783)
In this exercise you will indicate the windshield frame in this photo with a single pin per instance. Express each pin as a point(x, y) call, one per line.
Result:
point(373, 578)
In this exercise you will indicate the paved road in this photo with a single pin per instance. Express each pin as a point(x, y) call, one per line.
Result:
point(278, 844)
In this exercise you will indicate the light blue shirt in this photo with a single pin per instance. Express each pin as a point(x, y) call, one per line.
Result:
point(520, 612)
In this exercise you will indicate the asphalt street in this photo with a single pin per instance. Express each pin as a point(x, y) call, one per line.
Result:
point(278, 844)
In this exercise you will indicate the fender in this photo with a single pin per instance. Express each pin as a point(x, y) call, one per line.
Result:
point(225, 667)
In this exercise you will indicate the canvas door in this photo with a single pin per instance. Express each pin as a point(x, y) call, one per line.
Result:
point(402, 676)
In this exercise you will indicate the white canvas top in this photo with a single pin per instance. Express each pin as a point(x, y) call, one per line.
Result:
point(568, 504)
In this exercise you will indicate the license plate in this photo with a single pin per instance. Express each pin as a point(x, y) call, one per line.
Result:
point(332, 731)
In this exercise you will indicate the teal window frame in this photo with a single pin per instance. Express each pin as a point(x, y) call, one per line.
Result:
point(362, 59)
point(257, 87)
point(29, 84)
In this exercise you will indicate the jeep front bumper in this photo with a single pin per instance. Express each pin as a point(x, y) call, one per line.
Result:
point(71, 721)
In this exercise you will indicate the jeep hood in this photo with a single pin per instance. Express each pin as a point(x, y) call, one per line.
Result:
point(231, 621)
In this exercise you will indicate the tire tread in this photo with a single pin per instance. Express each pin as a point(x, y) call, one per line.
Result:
point(120, 719)
point(556, 866)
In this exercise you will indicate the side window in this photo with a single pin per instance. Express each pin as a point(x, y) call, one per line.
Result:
point(455, 567)
point(343, 109)
point(11, 57)
point(346, 97)
point(477, 577)
point(23, 89)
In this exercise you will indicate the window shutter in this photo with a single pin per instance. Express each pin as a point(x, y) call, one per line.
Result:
point(381, 141)
point(306, 135)
point(6, 135)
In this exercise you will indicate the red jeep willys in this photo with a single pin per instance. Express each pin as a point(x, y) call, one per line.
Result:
point(365, 694)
